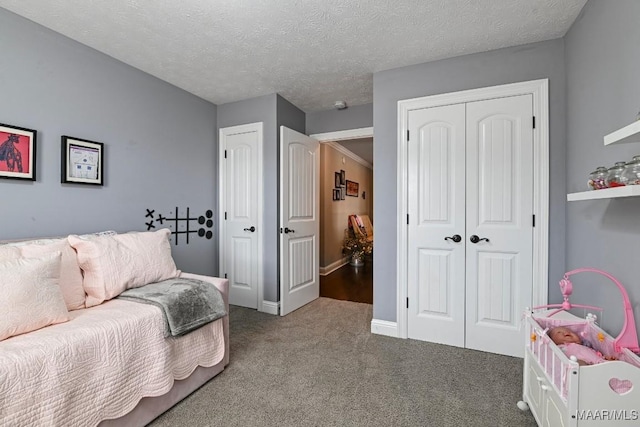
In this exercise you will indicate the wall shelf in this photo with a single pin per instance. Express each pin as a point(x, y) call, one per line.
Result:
point(605, 193)
point(629, 133)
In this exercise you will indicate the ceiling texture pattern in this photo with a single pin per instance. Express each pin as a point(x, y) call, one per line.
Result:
point(312, 52)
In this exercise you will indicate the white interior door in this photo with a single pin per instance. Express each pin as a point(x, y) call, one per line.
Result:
point(299, 220)
point(500, 209)
point(241, 204)
point(470, 174)
point(436, 252)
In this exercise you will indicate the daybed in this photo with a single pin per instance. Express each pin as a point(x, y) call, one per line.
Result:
point(72, 353)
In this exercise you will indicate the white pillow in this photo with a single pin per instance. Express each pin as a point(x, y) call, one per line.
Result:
point(9, 253)
point(70, 274)
point(112, 264)
point(31, 298)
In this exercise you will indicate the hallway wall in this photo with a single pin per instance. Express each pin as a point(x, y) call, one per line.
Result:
point(334, 214)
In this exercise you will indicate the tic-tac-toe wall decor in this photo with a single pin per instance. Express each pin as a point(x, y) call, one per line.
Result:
point(205, 221)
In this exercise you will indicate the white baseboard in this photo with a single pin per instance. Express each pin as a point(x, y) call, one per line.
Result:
point(333, 266)
point(270, 307)
point(384, 327)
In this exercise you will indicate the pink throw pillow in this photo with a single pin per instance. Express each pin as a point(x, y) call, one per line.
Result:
point(31, 298)
point(113, 264)
point(70, 274)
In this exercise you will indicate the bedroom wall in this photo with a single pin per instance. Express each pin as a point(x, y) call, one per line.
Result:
point(603, 95)
point(160, 143)
point(509, 65)
point(359, 116)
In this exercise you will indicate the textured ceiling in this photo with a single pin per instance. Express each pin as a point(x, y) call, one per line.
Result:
point(312, 52)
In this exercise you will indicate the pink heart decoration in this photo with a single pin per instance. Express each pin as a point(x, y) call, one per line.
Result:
point(620, 386)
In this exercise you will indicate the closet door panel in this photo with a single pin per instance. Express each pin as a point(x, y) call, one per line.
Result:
point(499, 203)
point(436, 211)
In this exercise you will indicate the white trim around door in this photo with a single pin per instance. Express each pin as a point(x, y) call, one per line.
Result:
point(539, 89)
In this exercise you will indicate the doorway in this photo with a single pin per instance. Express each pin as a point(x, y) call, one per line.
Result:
point(347, 154)
point(473, 171)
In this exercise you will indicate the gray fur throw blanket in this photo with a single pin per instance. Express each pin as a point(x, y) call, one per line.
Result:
point(186, 304)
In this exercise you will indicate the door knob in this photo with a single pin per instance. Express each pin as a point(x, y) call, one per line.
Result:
point(251, 229)
point(476, 239)
point(287, 230)
point(456, 238)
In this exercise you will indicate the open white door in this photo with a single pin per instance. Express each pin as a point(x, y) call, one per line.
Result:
point(299, 220)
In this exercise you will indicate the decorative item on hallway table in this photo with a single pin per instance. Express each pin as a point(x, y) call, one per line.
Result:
point(174, 223)
point(17, 153)
point(356, 247)
point(352, 188)
point(82, 161)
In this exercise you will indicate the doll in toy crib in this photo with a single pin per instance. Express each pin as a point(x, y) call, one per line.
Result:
point(572, 345)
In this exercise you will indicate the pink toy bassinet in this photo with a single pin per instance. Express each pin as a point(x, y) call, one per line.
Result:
point(560, 392)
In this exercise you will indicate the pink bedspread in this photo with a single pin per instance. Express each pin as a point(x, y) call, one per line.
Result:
point(98, 365)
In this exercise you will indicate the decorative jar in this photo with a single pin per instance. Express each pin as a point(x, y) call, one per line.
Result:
point(597, 178)
point(614, 175)
point(631, 173)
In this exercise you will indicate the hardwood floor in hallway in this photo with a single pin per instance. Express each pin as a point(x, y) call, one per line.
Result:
point(349, 283)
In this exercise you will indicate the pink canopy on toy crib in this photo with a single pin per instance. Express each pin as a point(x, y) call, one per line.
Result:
point(628, 337)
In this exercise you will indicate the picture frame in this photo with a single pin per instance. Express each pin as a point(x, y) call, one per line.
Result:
point(352, 188)
point(337, 179)
point(342, 177)
point(82, 161)
point(336, 194)
point(17, 152)
point(342, 193)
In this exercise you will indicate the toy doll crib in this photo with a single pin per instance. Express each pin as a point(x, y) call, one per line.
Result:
point(557, 390)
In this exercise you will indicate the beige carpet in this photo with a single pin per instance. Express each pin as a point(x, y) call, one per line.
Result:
point(320, 366)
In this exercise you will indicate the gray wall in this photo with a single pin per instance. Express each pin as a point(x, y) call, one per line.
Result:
point(360, 116)
point(159, 142)
point(516, 64)
point(262, 109)
point(603, 94)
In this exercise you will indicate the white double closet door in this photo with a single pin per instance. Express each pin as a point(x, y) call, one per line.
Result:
point(470, 231)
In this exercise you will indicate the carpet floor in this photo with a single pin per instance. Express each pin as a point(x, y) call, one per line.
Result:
point(320, 366)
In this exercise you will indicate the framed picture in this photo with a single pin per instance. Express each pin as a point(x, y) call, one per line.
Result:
point(342, 193)
point(342, 177)
point(336, 194)
point(352, 188)
point(17, 153)
point(337, 180)
point(82, 161)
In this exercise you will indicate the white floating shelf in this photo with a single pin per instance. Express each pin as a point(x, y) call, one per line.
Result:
point(629, 133)
point(605, 193)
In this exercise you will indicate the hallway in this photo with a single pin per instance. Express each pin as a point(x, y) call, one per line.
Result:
point(349, 283)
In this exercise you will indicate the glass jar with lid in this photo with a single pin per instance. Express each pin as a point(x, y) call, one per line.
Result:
point(614, 174)
point(597, 178)
point(631, 173)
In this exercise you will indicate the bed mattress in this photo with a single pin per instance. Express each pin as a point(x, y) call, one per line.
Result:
point(98, 365)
